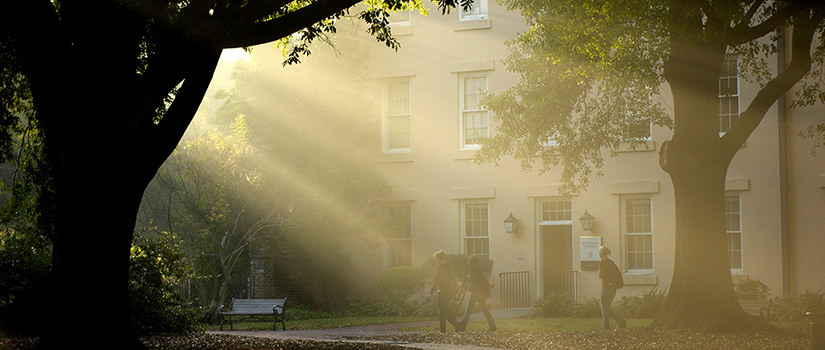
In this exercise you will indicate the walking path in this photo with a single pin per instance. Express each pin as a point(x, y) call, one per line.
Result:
point(357, 334)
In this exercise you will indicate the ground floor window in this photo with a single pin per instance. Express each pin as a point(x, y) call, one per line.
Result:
point(475, 227)
point(638, 234)
point(399, 239)
point(733, 226)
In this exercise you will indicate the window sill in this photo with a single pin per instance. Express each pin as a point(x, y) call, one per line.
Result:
point(398, 157)
point(643, 146)
point(465, 154)
point(640, 279)
point(738, 277)
point(401, 29)
point(472, 24)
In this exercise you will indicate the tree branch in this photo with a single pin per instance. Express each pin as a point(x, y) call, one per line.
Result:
point(743, 32)
point(260, 33)
point(805, 26)
point(165, 136)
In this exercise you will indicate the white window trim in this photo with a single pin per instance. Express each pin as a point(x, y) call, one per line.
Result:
point(652, 268)
point(463, 228)
point(388, 251)
point(540, 217)
point(720, 96)
point(484, 6)
point(741, 269)
point(386, 116)
point(405, 22)
point(461, 110)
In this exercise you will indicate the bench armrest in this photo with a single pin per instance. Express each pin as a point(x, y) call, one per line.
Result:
point(278, 309)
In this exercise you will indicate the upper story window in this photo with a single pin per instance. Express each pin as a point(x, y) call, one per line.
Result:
point(733, 226)
point(477, 11)
point(728, 93)
point(397, 116)
point(474, 124)
point(638, 234)
point(638, 128)
point(401, 17)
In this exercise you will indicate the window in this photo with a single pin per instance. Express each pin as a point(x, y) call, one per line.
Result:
point(474, 123)
point(475, 228)
point(477, 11)
point(637, 130)
point(636, 127)
point(400, 17)
point(638, 234)
point(556, 210)
point(728, 93)
point(733, 226)
point(399, 238)
point(397, 116)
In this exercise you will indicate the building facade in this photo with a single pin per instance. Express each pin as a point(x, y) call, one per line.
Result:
point(427, 94)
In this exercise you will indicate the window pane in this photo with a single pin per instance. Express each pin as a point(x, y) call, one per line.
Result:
point(728, 93)
point(733, 225)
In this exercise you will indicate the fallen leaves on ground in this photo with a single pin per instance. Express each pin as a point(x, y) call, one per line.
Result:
point(637, 338)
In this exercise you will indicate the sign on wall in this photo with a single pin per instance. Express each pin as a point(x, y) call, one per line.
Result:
point(589, 252)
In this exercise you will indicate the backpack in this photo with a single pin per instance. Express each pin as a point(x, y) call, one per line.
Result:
point(614, 276)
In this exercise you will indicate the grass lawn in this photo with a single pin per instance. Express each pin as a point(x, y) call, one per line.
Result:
point(319, 323)
point(542, 325)
point(518, 325)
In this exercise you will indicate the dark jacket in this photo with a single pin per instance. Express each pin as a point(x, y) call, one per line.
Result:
point(444, 280)
point(478, 283)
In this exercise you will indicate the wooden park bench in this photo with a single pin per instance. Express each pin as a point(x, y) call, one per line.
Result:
point(254, 309)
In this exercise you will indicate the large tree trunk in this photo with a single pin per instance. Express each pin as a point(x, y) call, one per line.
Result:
point(701, 292)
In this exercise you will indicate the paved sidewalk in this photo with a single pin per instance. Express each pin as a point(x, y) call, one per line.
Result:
point(356, 334)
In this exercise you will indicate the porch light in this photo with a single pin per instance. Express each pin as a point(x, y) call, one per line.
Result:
point(587, 221)
point(511, 223)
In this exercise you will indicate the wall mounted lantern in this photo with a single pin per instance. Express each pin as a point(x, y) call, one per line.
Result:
point(511, 223)
point(587, 221)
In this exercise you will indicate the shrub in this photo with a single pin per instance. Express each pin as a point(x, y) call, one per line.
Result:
point(401, 283)
point(793, 307)
point(590, 308)
point(751, 290)
point(156, 306)
point(554, 305)
point(644, 306)
point(25, 264)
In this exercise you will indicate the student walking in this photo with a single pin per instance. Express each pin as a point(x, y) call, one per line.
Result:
point(445, 288)
point(611, 280)
point(479, 288)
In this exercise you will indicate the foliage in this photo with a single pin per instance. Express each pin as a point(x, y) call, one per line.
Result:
point(643, 306)
point(793, 307)
point(554, 305)
point(589, 308)
point(156, 262)
point(25, 266)
point(400, 282)
point(751, 290)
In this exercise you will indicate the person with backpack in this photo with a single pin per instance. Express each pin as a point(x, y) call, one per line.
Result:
point(611, 281)
point(479, 288)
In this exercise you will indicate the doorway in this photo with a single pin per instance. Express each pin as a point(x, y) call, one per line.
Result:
point(556, 253)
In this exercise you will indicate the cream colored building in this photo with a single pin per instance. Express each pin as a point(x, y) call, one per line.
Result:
point(427, 94)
